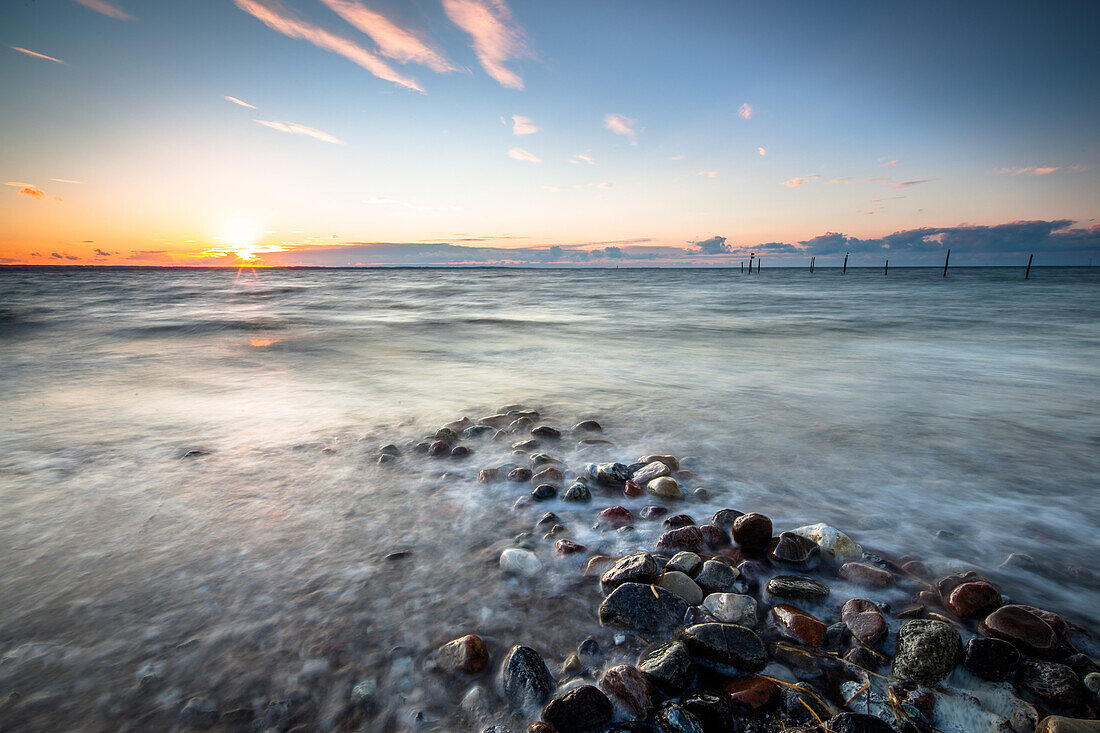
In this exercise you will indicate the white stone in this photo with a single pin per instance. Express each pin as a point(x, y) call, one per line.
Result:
point(653, 470)
point(516, 561)
point(834, 543)
point(682, 586)
point(731, 608)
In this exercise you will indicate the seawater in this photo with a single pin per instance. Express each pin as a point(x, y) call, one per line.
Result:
point(952, 419)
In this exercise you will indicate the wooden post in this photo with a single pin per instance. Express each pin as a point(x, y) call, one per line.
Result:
point(945, 261)
point(845, 270)
point(758, 265)
point(742, 265)
point(1028, 270)
point(886, 270)
point(752, 256)
point(812, 264)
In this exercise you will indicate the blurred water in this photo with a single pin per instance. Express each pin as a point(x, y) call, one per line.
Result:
point(133, 580)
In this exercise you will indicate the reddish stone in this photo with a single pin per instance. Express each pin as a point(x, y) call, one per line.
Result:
point(684, 538)
point(714, 535)
point(678, 520)
point(630, 687)
point(792, 549)
point(1017, 624)
point(615, 517)
point(865, 575)
point(490, 475)
point(749, 692)
point(949, 583)
point(752, 531)
point(669, 461)
point(1054, 620)
point(597, 564)
point(439, 448)
point(799, 625)
point(548, 475)
point(684, 475)
point(632, 489)
point(927, 598)
point(917, 568)
point(971, 600)
point(568, 547)
point(864, 620)
point(467, 654)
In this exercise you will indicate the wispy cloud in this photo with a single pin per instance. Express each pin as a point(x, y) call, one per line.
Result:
point(497, 38)
point(35, 54)
point(523, 125)
point(622, 125)
point(18, 184)
point(887, 163)
point(745, 111)
point(762, 151)
point(1041, 170)
point(241, 102)
point(63, 180)
point(681, 156)
point(605, 185)
point(394, 41)
point(907, 184)
point(108, 9)
point(296, 129)
point(33, 192)
point(521, 154)
point(796, 182)
point(708, 174)
point(277, 18)
point(583, 158)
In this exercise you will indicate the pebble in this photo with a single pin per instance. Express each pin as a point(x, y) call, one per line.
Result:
point(446, 434)
point(587, 426)
point(490, 475)
point(568, 547)
point(991, 659)
point(864, 620)
point(543, 459)
point(525, 445)
point(646, 609)
point(731, 608)
point(546, 432)
point(716, 577)
point(633, 490)
point(547, 520)
point(544, 492)
point(793, 549)
point(711, 709)
point(927, 651)
point(664, 487)
point(520, 423)
point(519, 474)
point(613, 474)
point(714, 536)
point(669, 461)
point(685, 562)
point(668, 664)
point(858, 723)
point(579, 709)
point(596, 564)
point(682, 585)
point(1059, 724)
point(975, 599)
point(439, 448)
point(728, 644)
point(615, 517)
point(577, 491)
point(467, 654)
point(653, 512)
point(683, 538)
point(725, 518)
point(673, 718)
point(516, 561)
point(865, 575)
point(460, 451)
point(796, 624)
point(1092, 683)
point(649, 472)
point(1051, 682)
point(797, 587)
point(752, 531)
point(386, 458)
point(678, 520)
point(477, 431)
point(525, 677)
point(631, 688)
point(749, 692)
point(639, 567)
point(548, 475)
point(1018, 625)
point(700, 493)
point(834, 544)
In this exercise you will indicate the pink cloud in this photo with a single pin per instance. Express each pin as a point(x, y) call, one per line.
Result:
point(33, 192)
point(394, 41)
point(795, 182)
point(762, 151)
point(745, 111)
point(497, 38)
point(521, 154)
point(523, 125)
point(622, 125)
point(708, 174)
point(296, 129)
point(240, 102)
point(583, 158)
point(35, 54)
point(106, 8)
point(278, 19)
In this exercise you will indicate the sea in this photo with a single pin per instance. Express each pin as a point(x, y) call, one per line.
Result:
point(195, 529)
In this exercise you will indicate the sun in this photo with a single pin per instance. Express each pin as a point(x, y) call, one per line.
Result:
point(240, 237)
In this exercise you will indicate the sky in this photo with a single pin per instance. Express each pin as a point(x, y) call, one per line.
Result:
point(599, 133)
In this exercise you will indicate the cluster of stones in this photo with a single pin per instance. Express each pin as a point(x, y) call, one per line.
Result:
point(720, 602)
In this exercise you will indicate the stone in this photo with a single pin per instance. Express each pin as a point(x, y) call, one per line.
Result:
point(1027, 631)
point(544, 492)
point(792, 549)
point(525, 445)
point(547, 520)
point(632, 490)
point(835, 545)
point(677, 520)
point(731, 608)
point(649, 472)
point(653, 512)
point(597, 564)
point(752, 531)
point(548, 475)
point(1053, 620)
point(520, 423)
point(803, 703)
point(517, 561)
point(477, 431)
point(796, 587)
point(467, 654)
point(577, 491)
point(615, 517)
point(927, 651)
point(497, 421)
point(716, 577)
point(948, 583)
point(711, 709)
point(863, 657)
point(684, 538)
point(749, 692)
point(700, 493)
point(674, 718)
point(837, 637)
point(864, 619)
point(725, 518)
point(446, 434)
point(728, 644)
point(544, 459)
point(568, 547)
point(439, 448)
point(858, 723)
point(714, 536)
point(681, 585)
point(390, 450)
point(613, 474)
point(587, 426)
point(631, 688)
point(519, 474)
point(646, 609)
point(796, 624)
point(579, 709)
point(687, 563)
point(639, 567)
point(1050, 682)
point(991, 659)
point(668, 664)
point(972, 600)
point(1059, 724)
point(1092, 682)
point(490, 475)
point(669, 461)
point(664, 487)
point(386, 458)
point(867, 576)
point(525, 677)
point(545, 432)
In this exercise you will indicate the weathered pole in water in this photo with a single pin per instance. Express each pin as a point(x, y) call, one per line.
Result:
point(812, 264)
point(886, 270)
point(1028, 270)
point(945, 261)
point(758, 265)
point(845, 270)
point(752, 256)
point(742, 265)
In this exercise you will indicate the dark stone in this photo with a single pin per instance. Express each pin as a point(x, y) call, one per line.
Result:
point(647, 609)
point(525, 677)
point(710, 709)
point(836, 637)
point(863, 657)
point(864, 620)
point(716, 577)
point(949, 583)
point(639, 567)
point(446, 434)
point(386, 458)
point(547, 520)
point(544, 492)
point(858, 723)
point(587, 426)
point(752, 531)
point(797, 702)
point(632, 489)
point(578, 710)
point(669, 665)
point(1050, 682)
point(714, 536)
point(577, 491)
point(971, 600)
point(725, 518)
point(727, 644)
point(477, 431)
point(653, 512)
point(927, 651)
point(678, 520)
point(991, 659)
point(439, 448)
point(797, 587)
point(612, 474)
point(543, 459)
point(460, 451)
point(700, 493)
point(865, 575)
point(519, 474)
point(1030, 633)
point(796, 624)
point(590, 653)
point(684, 538)
point(568, 547)
point(631, 688)
point(546, 432)
point(792, 549)
point(615, 517)
point(548, 475)
point(675, 719)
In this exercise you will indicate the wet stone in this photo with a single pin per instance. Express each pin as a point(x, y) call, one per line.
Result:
point(836, 637)
point(731, 608)
point(639, 567)
point(615, 517)
point(865, 575)
point(478, 431)
point(525, 678)
point(646, 609)
point(752, 531)
point(725, 518)
point(927, 651)
point(579, 709)
point(1050, 682)
point(577, 491)
point(490, 475)
point(439, 448)
point(1060, 724)
point(543, 459)
point(653, 512)
point(972, 600)
point(674, 718)
point(649, 472)
point(467, 654)
point(460, 451)
point(684, 538)
point(714, 536)
point(683, 586)
point(632, 489)
point(668, 664)
point(797, 587)
point(517, 561)
point(991, 659)
point(447, 435)
point(858, 723)
point(678, 520)
point(613, 474)
point(525, 445)
point(687, 563)
point(798, 625)
point(519, 474)
point(716, 577)
point(711, 709)
point(863, 657)
point(568, 547)
point(802, 702)
point(668, 460)
point(544, 492)
point(587, 426)
point(1029, 633)
point(749, 692)
point(547, 520)
point(728, 644)
point(833, 543)
point(548, 475)
point(791, 549)
point(631, 688)
point(664, 487)
point(546, 432)
point(864, 619)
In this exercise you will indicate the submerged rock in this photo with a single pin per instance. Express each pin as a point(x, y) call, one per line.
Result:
point(516, 561)
point(631, 688)
point(577, 491)
point(865, 575)
point(927, 651)
point(796, 624)
point(544, 492)
point(1050, 682)
point(639, 567)
point(525, 677)
point(548, 475)
point(864, 620)
point(731, 608)
point(668, 664)
point(727, 644)
point(467, 654)
point(490, 475)
point(579, 709)
point(587, 426)
point(991, 659)
point(797, 587)
point(647, 609)
point(837, 546)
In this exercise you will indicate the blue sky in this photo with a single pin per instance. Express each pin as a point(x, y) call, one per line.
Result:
point(649, 127)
